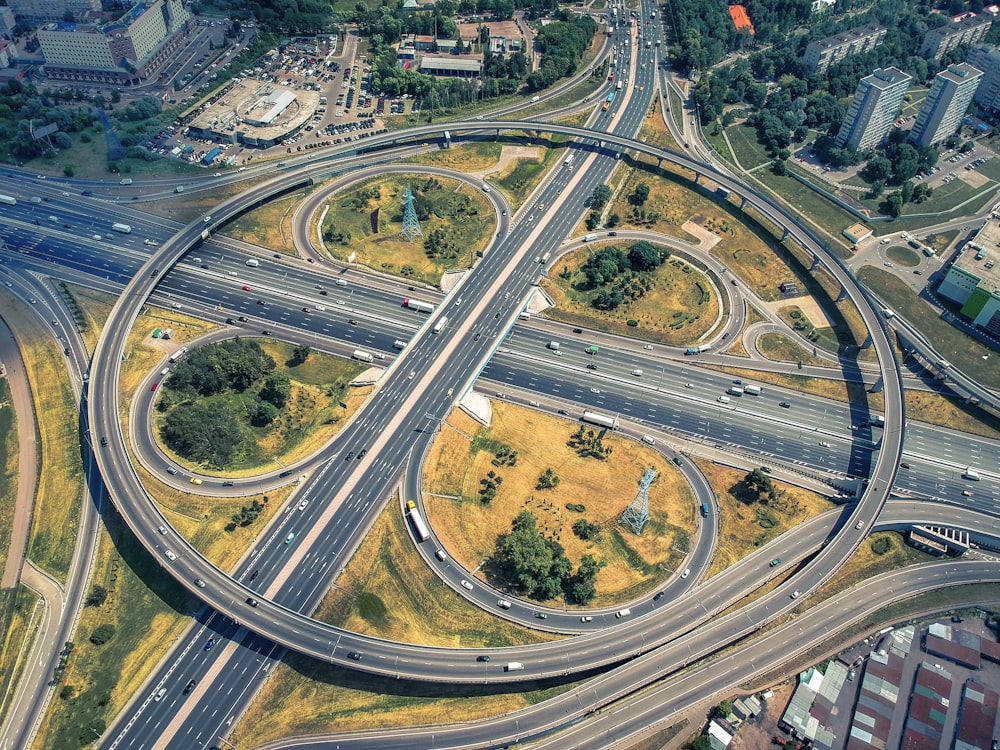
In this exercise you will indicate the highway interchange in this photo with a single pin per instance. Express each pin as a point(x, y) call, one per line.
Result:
point(295, 577)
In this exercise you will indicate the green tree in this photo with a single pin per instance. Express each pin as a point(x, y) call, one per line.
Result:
point(265, 414)
point(204, 432)
point(585, 529)
point(96, 596)
point(759, 481)
point(300, 353)
point(581, 587)
point(548, 480)
point(726, 709)
point(643, 256)
point(530, 562)
point(893, 204)
point(600, 196)
point(641, 194)
point(102, 634)
point(277, 389)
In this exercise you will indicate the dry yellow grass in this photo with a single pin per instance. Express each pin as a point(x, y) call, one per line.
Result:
point(468, 528)
point(95, 307)
point(950, 412)
point(464, 157)
point(269, 225)
point(744, 527)
point(672, 311)
point(781, 348)
point(865, 563)
point(60, 472)
point(388, 591)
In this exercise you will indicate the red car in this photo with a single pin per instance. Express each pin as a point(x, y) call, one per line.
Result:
point(246, 288)
point(154, 386)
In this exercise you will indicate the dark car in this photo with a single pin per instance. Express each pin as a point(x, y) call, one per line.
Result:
point(785, 405)
point(190, 686)
point(230, 321)
point(541, 616)
point(356, 655)
point(349, 456)
point(612, 234)
point(261, 302)
point(243, 319)
point(577, 330)
point(677, 460)
point(766, 469)
point(323, 292)
point(563, 411)
point(104, 441)
point(227, 483)
point(362, 453)
point(208, 646)
point(591, 366)
point(483, 657)
point(254, 574)
point(658, 597)
point(476, 337)
point(352, 322)
point(252, 602)
point(266, 332)
point(904, 465)
point(87, 192)
point(66, 351)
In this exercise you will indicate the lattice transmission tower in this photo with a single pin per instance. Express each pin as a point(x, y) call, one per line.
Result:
point(411, 226)
point(636, 515)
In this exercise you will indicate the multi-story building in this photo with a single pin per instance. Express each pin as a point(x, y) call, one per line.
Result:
point(973, 278)
point(43, 11)
point(822, 53)
point(971, 29)
point(986, 57)
point(873, 108)
point(945, 104)
point(126, 51)
point(7, 21)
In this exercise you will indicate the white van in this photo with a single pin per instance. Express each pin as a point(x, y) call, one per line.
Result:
point(637, 373)
point(723, 399)
point(253, 263)
point(648, 440)
point(623, 613)
point(441, 555)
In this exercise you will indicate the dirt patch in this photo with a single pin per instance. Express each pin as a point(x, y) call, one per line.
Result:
point(508, 156)
point(706, 239)
point(808, 306)
point(975, 179)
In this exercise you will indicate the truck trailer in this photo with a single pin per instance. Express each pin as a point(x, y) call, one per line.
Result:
point(697, 349)
point(363, 355)
point(600, 419)
point(419, 527)
point(415, 304)
point(589, 237)
point(9, 200)
point(123, 228)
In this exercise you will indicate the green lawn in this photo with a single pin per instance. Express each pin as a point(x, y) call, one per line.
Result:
point(963, 351)
point(676, 106)
point(745, 147)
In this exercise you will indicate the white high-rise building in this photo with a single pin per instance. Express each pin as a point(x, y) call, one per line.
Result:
point(986, 57)
point(875, 104)
point(945, 105)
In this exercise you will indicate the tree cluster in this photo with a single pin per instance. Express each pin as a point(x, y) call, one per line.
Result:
point(234, 364)
point(588, 444)
point(539, 568)
point(563, 43)
point(621, 276)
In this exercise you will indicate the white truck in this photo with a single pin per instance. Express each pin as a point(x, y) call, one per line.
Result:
point(9, 200)
point(362, 355)
point(568, 161)
point(589, 237)
point(600, 419)
point(123, 228)
point(970, 474)
point(514, 666)
point(415, 304)
point(439, 326)
point(735, 390)
point(553, 345)
point(751, 390)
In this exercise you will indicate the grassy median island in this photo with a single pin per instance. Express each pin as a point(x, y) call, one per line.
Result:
point(477, 480)
point(456, 220)
point(241, 405)
point(673, 302)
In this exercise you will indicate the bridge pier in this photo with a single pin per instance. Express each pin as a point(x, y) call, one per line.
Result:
point(815, 263)
point(868, 343)
point(843, 295)
point(878, 385)
point(743, 202)
point(784, 235)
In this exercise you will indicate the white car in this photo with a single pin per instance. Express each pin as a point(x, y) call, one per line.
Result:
point(595, 390)
point(466, 585)
point(648, 347)
point(795, 594)
point(170, 555)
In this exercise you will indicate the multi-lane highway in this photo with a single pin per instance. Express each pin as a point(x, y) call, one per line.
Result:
point(289, 578)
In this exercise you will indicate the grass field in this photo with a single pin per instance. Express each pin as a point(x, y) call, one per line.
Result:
point(747, 525)
point(967, 354)
point(522, 176)
point(60, 470)
point(310, 419)
point(903, 256)
point(747, 151)
point(779, 347)
point(90, 309)
point(468, 527)
point(8, 473)
point(270, 225)
point(459, 216)
point(20, 618)
point(465, 157)
point(148, 611)
point(678, 308)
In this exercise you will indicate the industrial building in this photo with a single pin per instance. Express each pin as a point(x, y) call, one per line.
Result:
point(969, 29)
point(875, 105)
point(822, 53)
point(973, 278)
point(43, 11)
point(881, 689)
point(126, 52)
point(945, 105)
point(460, 67)
point(256, 114)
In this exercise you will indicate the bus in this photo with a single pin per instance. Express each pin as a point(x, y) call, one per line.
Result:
point(607, 102)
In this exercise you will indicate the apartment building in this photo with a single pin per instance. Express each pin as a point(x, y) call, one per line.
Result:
point(874, 107)
point(822, 53)
point(945, 105)
point(969, 29)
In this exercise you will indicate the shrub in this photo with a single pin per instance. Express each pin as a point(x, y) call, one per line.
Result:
point(882, 545)
point(102, 634)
